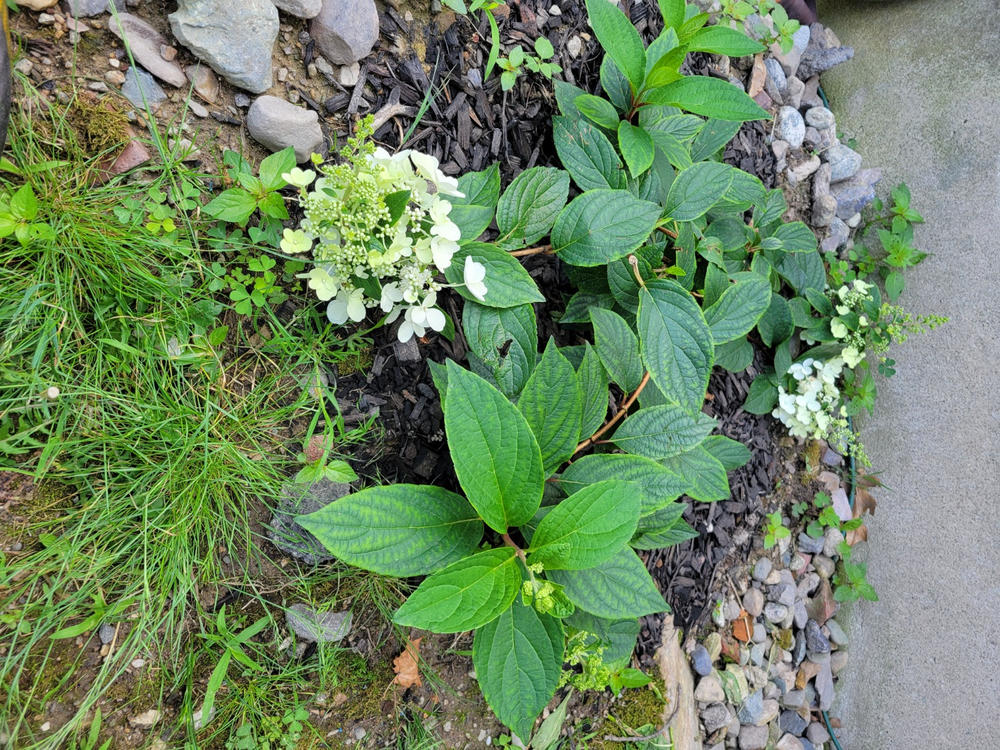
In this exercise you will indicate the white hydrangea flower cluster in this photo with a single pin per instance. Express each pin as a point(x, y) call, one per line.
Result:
point(850, 298)
point(813, 409)
point(379, 230)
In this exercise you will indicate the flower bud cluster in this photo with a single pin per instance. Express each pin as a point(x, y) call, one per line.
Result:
point(812, 409)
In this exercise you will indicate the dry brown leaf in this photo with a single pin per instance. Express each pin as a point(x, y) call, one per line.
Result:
point(854, 536)
point(406, 665)
point(743, 627)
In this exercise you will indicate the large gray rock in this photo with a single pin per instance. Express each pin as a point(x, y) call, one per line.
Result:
point(299, 499)
point(300, 8)
point(322, 627)
point(854, 194)
point(277, 124)
point(345, 30)
point(144, 41)
point(236, 39)
point(79, 8)
point(844, 162)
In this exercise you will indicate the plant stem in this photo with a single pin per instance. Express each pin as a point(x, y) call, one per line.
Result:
point(614, 420)
point(669, 232)
point(634, 262)
point(547, 249)
point(517, 550)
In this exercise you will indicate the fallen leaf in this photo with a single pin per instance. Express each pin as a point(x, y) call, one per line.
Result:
point(743, 627)
point(406, 665)
point(864, 502)
point(854, 536)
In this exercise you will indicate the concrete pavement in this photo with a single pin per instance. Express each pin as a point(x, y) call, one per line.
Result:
point(921, 97)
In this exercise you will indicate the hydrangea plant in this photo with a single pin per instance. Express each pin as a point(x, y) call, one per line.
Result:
point(378, 228)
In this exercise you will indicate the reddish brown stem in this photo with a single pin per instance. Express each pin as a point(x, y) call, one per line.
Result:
point(592, 440)
point(533, 251)
point(670, 233)
point(517, 550)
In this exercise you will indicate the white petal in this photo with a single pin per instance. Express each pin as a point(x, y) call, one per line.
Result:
point(435, 319)
point(336, 311)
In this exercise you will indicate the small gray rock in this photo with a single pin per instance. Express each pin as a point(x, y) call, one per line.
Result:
point(825, 567)
point(820, 118)
point(790, 721)
point(809, 545)
point(235, 39)
point(345, 30)
point(793, 95)
point(789, 742)
point(837, 236)
point(753, 602)
point(79, 8)
point(832, 540)
point(776, 75)
point(789, 126)
point(275, 123)
point(715, 717)
point(322, 627)
point(807, 584)
point(815, 61)
point(824, 211)
point(145, 43)
point(298, 499)
point(817, 734)
point(701, 662)
point(800, 614)
point(757, 654)
point(762, 569)
point(753, 738)
point(783, 593)
point(140, 85)
point(106, 633)
point(759, 632)
point(854, 194)
point(838, 660)
point(774, 612)
point(801, 171)
point(837, 634)
point(799, 649)
point(709, 690)
point(824, 687)
point(844, 162)
point(730, 610)
point(806, 744)
point(819, 140)
point(300, 8)
point(752, 710)
point(816, 642)
point(794, 699)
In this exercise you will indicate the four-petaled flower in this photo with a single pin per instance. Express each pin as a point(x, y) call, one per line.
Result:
point(298, 177)
point(474, 273)
point(348, 304)
point(325, 285)
point(295, 241)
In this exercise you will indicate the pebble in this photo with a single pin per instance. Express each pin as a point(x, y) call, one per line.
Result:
point(359, 733)
point(820, 118)
point(115, 77)
point(790, 721)
point(106, 632)
point(783, 593)
point(824, 687)
point(701, 661)
point(145, 43)
point(753, 738)
point(822, 606)
point(825, 567)
point(780, 149)
point(574, 46)
point(709, 690)
point(715, 717)
point(730, 610)
point(854, 194)
point(799, 650)
point(99, 86)
point(282, 74)
point(819, 140)
point(205, 83)
point(24, 66)
point(789, 126)
point(35, 5)
point(817, 734)
point(837, 634)
point(300, 8)
point(810, 545)
point(759, 632)
point(837, 236)
point(753, 602)
point(322, 627)
point(774, 612)
point(235, 39)
point(838, 660)
point(138, 663)
point(776, 75)
point(770, 711)
point(146, 719)
point(46, 19)
point(798, 563)
point(350, 74)
point(757, 654)
point(199, 110)
point(140, 88)
point(794, 699)
point(761, 569)
point(831, 542)
point(752, 710)
point(345, 30)
point(87, 7)
point(793, 96)
point(801, 171)
point(844, 162)
point(789, 742)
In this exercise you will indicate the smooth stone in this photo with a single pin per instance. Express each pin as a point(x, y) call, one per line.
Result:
point(321, 627)
point(793, 96)
point(762, 568)
point(715, 717)
point(730, 610)
point(824, 687)
point(757, 654)
point(776, 75)
point(855, 194)
point(800, 615)
point(844, 162)
point(790, 721)
point(759, 633)
point(798, 562)
point(753, 738)
point(345, 30)
point(752, 709)
point(825, 567)
point(298, 499)
point(837, 634)
point(783, 593)
point(774, 612)
point(145, 43)
point(140, 85)
point(774, 578)
point(837, 236)
point(815, 61)
point(146, 719)
point(235, 39)
point(794, 699)
point(790, 127)
point(770, 712)
point(106, 632)
point(701, 662)
point(801, 172)
point(709, 690)
point(79, 8)
point(789, 742)
point(36, 4)
point(838, 660)
point(204, 81)
point(817, 733)
point(820, 118)
point(300, 8)
point(810, 545)
point(831, 542)
point(753, 602)
point(799, 650)
point(275, 123)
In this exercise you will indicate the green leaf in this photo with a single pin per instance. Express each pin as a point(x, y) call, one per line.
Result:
point(677, 152)
point(505, 340)
point(776, 323)
point(339, 471)
point(474, 211)
point(552, 404)
point(618, 636)
point(619, 587)
point(617, 347)
point(273, 166)
point(673, 12)
point(707, 474)
point(530, 204)
point(709, 97)
point(676, 343)
point(666, 69)
point(233, 205)
point(732, 454)
point(795, 237)
point(598, 110)
point(398, 530)
point(636, 147)
point(588, 527)
point(677, 531)
point(739, 308)
point(894, 284)
point(544, 48)
point(467, 594)
point(770, 209)
point(659, 485)
point(600, 226)
point(802, 271)
point(713, 136)
point(762, 397)
point(496, 456)
point(518, 659)
point(566, 95)
point(587, 154)
point(24, 204)
point(580, 304)
point(662, 431)
point(593, 380)
point(696, 189)
point(619, 39)
point(722, 40)
point(735, 356)
point(507, 283)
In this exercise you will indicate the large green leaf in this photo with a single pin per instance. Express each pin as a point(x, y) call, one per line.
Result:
point(616, 86)
point(618, 636)
point(397, 530)
point(619, 587)
point(676, 532)
point(735, 356)
point(587, 154)
point(762, 397)
point(659, 484)
point(676, 343)
point(707, 474)
point(593, 379)
point(507, 283)
point(598, 110)
point(739, 308)
point(552, 404)
point(673, 12)
point(697, 189)
point(600, 226)
point(505, 341)
point(794, 237)
point(518, 659)
point(709, 97)
point(473, 211)
point(273, 166)
point(636, 147)
point(619, 39)
point(803, 271)
point(722, 40)
point(496, 456)
point(776, 323)
point(732, 454)
point(580, 304)
point(588, 527)
point(662, 431)
point(465, 595)
point(617, 347)
point(530, 204)
point(713, 136)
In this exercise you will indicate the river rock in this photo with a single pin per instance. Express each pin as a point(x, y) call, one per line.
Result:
point(715, 717)
point(709, 690)
point(809, 545)
point(815, 61)
point(790, 721)
point(762, 568)
point(753, 602)
point(789, 126)
point(820, 118)
point(837, 235)
point(276, 123)
point(236, 39)
point(321, 627)
point(801, 171)
point(776, 76)
point(752, 710)
point(701, 662)
point(844, 162)
point(145, 43)
point(140, 85)
point(79, 8)
point(793, 96)
point(204, 81)
point(345, 30)
point(789, 742)
point(824, 211)
point(753, 738)
point(300, 8)
point(817, 734)
point(774, 612)
point(854, 194)
point(298, 499)
point(837, 634)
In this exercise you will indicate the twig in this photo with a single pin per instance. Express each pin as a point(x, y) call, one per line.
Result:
point(669, 232)
point(546, 249)
point(614, 420)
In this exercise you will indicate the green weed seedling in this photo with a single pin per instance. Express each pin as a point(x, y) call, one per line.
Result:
point(775, 530)
point(517, 59)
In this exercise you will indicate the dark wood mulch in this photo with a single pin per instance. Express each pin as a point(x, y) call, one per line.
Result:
point(468, 126)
